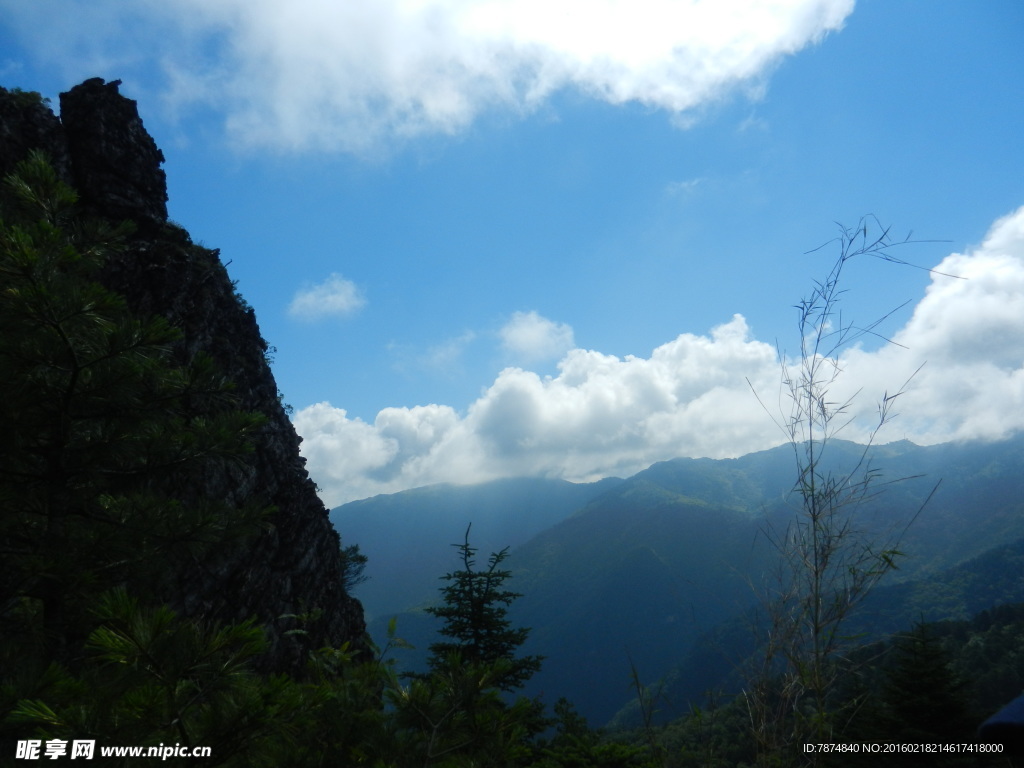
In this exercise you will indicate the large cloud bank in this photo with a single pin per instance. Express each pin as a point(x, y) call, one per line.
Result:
point(348, 75)
point(603, 415)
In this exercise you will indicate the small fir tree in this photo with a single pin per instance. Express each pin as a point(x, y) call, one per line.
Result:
point(475, 615)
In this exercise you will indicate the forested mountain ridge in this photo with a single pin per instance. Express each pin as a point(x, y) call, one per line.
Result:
point(294, 564)
point(644, 569)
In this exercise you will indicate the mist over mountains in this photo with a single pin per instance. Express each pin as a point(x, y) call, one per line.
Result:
point(639, 573)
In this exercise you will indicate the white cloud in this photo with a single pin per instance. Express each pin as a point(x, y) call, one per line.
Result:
point(350, 459)
point(600, 415)
point(968, 335)
point(349, 75)
point(530, 337)
point(604, 415)
point(334, 296)
point(328, 433)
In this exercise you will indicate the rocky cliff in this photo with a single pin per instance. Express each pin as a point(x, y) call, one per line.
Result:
point(295, 565)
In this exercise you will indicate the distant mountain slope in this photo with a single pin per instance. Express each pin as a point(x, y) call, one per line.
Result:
point(407, 536)
point(995, 577)
point(633, 579)
point(959, 593)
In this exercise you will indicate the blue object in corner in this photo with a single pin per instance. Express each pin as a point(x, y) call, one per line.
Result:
point(1005, 727)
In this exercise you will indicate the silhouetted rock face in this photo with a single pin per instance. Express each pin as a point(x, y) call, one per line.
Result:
point(101, 147)
point(116, 164)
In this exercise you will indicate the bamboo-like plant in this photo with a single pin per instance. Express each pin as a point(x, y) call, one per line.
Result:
point(828, 559)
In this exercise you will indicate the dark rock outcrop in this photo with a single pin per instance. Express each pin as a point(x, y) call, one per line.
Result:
point(295, 566)
point(116, 164)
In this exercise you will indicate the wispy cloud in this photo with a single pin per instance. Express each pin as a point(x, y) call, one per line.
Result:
point(353, 75)
point(333, 297)
point(682, 188)
point(752, 123)
point(604, 415)
point(445, 358)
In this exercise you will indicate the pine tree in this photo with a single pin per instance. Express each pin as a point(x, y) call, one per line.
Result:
point(475, 614)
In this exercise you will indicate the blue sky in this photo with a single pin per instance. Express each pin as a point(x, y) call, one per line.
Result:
point(503, 237)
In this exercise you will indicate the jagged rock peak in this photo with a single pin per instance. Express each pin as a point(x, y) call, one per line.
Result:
point(98, 145)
